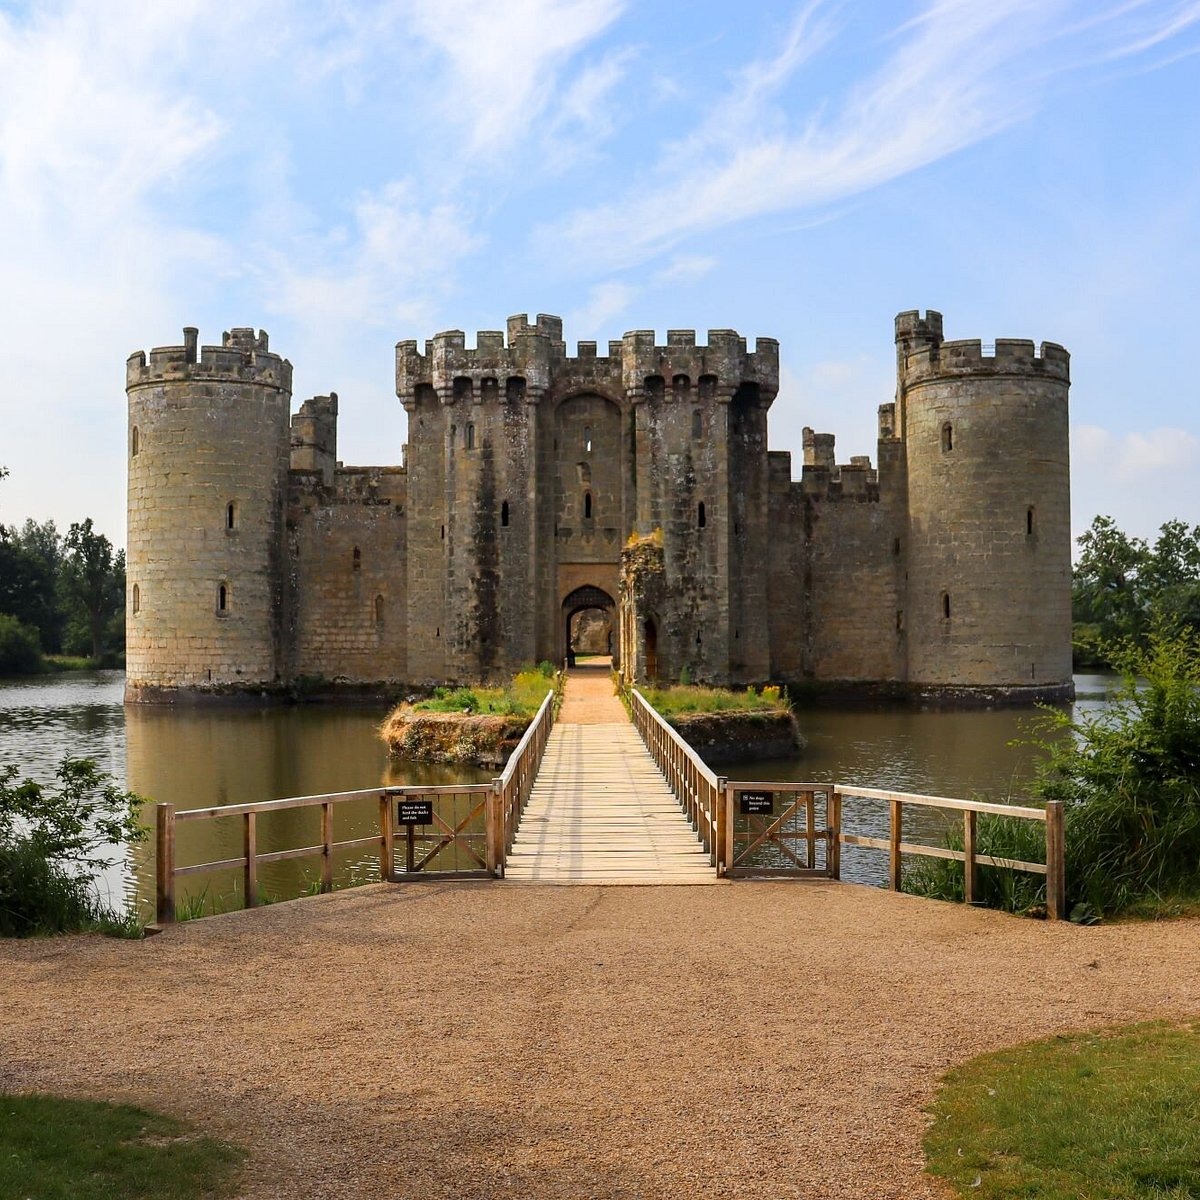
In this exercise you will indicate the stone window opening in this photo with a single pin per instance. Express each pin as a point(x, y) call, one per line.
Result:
point(947, 437)
point(378, 610)
point(230, 516)
point(135, 440)
point(453, 434)
point(587, 506)
point(356, 559)
point(443, 533)
point(471, 437)
point(587, 439)
point(137, 599)
point(945, 606)
point(1029, 522)
point(504, 514)
point(222, 599)
point(701, 516)
point(899, 620)
point(697, 424)
point(697, 637)
point(514, 388)
point(896, 547)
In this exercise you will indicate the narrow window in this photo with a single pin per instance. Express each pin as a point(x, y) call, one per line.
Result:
point(223, 598)
point(697, 424)
point(1029, 521)
point(947, 437)
point(443, 533)
point(701, 519)
point(134, 442)
point(587, 439)
point(453, 433)
point(946, 606)
point(378, 610)
point(899, 621)
point(587, 506)
point(357, 559)
point(471, 437)
point(230, 515)
point(137, 599)
point(504, 513)
point(896, 547)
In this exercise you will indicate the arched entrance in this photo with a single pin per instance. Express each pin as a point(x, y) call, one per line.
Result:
point(588, 623)
point(650, 632)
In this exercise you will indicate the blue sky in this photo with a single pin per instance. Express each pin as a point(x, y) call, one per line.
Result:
point(346, 175)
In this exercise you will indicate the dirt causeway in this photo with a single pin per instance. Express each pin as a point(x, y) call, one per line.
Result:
point(495, 1039)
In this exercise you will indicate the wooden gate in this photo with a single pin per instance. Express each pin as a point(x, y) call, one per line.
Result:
point(788, 829)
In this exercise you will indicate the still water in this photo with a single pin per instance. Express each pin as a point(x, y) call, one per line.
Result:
point(202, 757)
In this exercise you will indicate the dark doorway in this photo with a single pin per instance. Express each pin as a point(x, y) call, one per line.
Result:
point(650, 632)
point(588, 621)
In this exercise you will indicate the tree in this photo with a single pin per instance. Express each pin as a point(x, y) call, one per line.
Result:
point(29, 586)
point(92, 580)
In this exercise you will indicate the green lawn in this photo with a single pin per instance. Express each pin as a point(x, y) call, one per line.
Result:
point(1104, 1116)
point(55, 1149)
point(688, 698)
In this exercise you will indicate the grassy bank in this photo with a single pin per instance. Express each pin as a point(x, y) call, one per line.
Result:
point(688, 698)
point(1112, 1116)
point(58, 1149)
point(521, 698)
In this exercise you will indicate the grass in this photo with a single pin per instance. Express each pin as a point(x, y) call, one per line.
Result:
point(58, 1149)
point(1109, 1116)
point(521, 698)
point(672, 701)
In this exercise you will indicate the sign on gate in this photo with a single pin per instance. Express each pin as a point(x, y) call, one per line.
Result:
point(757, 804)
point(414, 812)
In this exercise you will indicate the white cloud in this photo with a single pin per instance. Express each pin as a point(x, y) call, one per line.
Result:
point(605, 302)
point(685, 268)
point(960, 72)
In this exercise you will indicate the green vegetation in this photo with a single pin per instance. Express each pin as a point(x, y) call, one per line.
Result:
point(684, 698)
point(20, 653)
point(54, 841)
point(1124, 587)
point(1113, 1116)
point(1129, 780)
point(521, 698)
point(58, 1149)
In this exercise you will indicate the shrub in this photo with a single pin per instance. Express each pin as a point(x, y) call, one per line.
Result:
point(20, 652)
point(54, 841)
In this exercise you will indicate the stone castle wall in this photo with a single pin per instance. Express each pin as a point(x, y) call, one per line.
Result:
point(527, 473)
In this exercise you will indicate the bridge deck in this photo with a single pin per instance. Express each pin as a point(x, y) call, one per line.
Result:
point(600, 810)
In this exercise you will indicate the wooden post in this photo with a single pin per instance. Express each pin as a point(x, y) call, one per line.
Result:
point(164, 863)
point(250, 850)
point(894, 864)
point(327, 846)
point(1056, 862)
point(725, 824)
point(410, 850)
point(833, 824)
point(970, 867)
point(491, 824)
point(385, 837)
point(810, 820)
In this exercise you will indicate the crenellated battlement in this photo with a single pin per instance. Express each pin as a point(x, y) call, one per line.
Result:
point(922, 355)
point(535, 355)
point(242, 356)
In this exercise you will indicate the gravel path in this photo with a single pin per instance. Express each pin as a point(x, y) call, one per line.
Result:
point(589, 698)
point(483, 1040)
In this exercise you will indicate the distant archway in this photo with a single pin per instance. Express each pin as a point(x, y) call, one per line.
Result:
point(589, 611)
point(650, 634)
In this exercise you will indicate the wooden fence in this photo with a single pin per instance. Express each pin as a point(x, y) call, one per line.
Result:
point(697, 788)
point(798, 830)
point(471, 823)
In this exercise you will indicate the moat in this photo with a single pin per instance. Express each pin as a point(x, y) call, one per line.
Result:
point(207, 756)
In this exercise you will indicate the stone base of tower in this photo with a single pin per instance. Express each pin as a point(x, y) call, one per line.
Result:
point(855, 692)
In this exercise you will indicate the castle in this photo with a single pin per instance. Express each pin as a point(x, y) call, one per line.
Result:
point(636, 485)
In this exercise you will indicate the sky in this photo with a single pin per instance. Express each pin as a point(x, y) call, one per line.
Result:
point(349, 174)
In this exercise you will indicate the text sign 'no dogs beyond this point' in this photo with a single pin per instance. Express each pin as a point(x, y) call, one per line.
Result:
point(414, 812)
point(757, 804)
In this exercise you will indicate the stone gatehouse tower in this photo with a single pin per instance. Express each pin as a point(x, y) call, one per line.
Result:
point(537, 485)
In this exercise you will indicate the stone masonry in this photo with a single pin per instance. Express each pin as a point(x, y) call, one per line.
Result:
point(635, 486)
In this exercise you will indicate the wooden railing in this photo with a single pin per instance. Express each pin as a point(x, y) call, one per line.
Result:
point(473, 822)
point(697, 788)
point(782, 831)
point(510, 790)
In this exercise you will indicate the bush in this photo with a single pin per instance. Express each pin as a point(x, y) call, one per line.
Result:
point(1129, 778)
point(54, 841)
point(20, 652)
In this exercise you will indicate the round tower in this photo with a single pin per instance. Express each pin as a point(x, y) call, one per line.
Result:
point(988, 547)
point(208, 462)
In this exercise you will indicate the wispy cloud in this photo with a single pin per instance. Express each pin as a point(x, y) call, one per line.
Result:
point(957, 74)
point(605, 302)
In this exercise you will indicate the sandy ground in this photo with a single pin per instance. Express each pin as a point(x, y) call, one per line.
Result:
point(497, 1039)
point(589, 698)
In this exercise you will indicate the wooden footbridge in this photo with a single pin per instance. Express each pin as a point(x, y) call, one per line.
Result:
point(600, 810)
point(591, 797)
